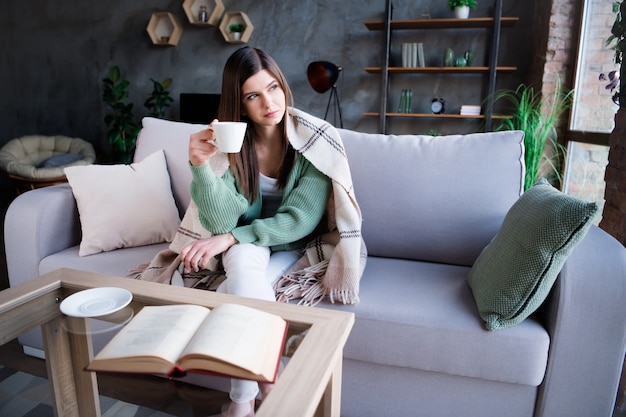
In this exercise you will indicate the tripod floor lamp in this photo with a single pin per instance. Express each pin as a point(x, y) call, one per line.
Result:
point(323, 76)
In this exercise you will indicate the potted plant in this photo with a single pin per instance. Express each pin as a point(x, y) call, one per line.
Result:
point(461, 8)
point(159, 99)
point(538, 119)
point(236, 30)
point(122, 128)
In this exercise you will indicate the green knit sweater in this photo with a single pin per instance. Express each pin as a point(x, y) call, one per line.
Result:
point(224, 209)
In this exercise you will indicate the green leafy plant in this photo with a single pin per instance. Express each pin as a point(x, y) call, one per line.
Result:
point(617, 42)
point(160, 98)
point(459, 3)
point(618, 32)
point(122, 128)
point(237, 27)
point(120, 121)
point(613, 85)
point(537, 118)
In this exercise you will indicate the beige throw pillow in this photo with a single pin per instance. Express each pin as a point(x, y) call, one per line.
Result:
point(124, 205)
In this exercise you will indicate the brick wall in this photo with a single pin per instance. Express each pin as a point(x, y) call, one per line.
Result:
point(595, 109)
point(560, 55)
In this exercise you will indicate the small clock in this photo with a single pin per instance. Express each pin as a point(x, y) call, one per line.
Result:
point(438, 105)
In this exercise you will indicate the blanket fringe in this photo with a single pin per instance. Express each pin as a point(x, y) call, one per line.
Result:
point(138, 270)
point(305, 284)
point(344, 296)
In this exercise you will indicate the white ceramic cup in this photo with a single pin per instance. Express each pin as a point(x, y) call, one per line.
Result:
point(229, 135)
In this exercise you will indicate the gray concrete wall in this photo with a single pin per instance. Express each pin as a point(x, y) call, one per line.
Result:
point(54, 54)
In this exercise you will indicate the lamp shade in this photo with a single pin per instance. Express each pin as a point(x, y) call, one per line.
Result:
point(322, 75)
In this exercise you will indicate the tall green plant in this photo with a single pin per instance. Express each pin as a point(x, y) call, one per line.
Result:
point(122, 128)
point(160, 98)
point(537, 118)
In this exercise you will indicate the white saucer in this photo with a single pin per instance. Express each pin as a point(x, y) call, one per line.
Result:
point(96, 302)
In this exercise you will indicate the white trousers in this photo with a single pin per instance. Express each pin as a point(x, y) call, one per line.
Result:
point(251, 272)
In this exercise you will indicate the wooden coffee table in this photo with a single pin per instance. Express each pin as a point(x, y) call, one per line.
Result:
point(310, 385)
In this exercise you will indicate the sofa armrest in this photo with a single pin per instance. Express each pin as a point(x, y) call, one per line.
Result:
point(586, 319)
point(39, 223)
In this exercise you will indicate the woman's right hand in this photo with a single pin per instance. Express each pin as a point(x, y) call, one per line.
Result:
point(196, 255)
point(202, 146)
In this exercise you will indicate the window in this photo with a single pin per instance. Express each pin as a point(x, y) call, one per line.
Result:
point(593, 109)
point(584, 172)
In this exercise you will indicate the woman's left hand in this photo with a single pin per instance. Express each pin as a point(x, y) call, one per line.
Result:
point(196, 255)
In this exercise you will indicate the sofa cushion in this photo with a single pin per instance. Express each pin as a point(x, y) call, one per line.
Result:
point(421, 315)
point(173, 138)
point(120, 262)
point(124, 205)
point(439, 199)
point(515, 272)
point(63, 159)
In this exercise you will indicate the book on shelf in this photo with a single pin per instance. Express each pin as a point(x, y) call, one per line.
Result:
point(407, 55)
point(420, 55)
point(230, 339)
point(406, 97)
point(408, 108)
point(469, 110)
point(413, 55)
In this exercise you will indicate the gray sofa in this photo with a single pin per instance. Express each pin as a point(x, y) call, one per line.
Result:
point(418, 346)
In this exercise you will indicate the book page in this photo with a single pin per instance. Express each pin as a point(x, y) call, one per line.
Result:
point(246, 337)
point(161, 331)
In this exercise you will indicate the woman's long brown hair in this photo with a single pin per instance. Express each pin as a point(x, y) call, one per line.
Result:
point(242, 64)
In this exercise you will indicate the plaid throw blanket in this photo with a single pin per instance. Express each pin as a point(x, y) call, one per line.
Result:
point(332, 264)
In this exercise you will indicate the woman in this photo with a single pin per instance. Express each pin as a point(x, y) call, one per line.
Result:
point(270, 201)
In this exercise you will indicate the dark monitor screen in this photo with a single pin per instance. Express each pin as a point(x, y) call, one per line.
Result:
point(198, 108)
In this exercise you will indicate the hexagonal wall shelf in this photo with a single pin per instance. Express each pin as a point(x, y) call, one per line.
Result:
point(213, 12)
point(164, 29)
point(236, 18)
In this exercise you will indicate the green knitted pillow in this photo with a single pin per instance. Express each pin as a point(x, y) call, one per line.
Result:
point(515, 272)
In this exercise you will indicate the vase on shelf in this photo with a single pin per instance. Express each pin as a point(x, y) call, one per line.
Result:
point(469, 57)
point(461, 12)
point(203, 15)
point(448, 57)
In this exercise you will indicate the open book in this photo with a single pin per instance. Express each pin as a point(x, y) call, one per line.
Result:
point(230, 339)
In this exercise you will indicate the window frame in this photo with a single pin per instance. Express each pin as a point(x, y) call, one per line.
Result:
point(597, 138)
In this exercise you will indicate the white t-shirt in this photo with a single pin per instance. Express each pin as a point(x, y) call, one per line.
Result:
point(271, 196)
